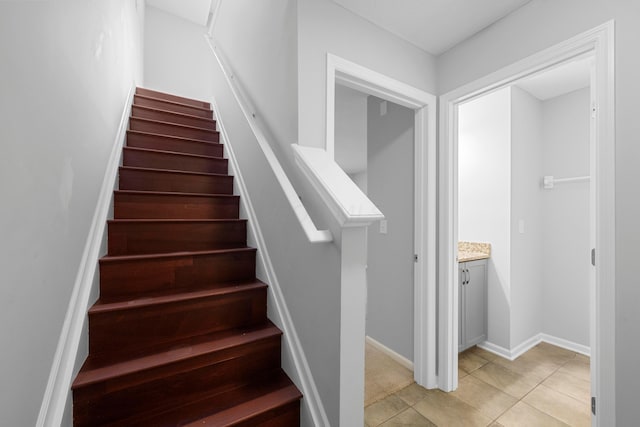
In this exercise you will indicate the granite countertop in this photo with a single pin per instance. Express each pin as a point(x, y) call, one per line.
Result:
point(472, 251)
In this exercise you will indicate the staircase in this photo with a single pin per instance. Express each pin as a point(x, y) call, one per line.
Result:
point(179, 335)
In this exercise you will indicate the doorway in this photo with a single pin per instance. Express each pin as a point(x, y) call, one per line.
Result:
point(599, 44)
point(423, 104)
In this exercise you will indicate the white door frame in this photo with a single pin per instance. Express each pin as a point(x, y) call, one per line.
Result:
point(357, 77)
point(600, 43)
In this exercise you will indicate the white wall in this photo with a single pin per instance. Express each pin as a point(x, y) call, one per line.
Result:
point(351, 130)
point(527, 308)
point(565, 138)
point(259, 39)
point(66, 70)
point(484, 198)
point(177, 58)
point(390, 181)
point(536, 26)
point(325, 27)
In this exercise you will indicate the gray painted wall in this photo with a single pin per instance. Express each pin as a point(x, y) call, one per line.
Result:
point(565, 131)
point(390, 183)
point(66, 70)
point(176, 56)
point(526, 217)
point(326, 27)
point(484, 198)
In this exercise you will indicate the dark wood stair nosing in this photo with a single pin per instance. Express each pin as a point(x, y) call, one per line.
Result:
point(160, 94)
point(172, 102)
point(175, 113)
point(175, 220)
point(173, 153)
point(137, 168)
point(174, 125)
point(174, 193)
point(132, 258)
point(181, 138)
point(189, 295)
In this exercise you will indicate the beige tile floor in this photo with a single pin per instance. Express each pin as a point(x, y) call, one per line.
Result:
point(546, 386)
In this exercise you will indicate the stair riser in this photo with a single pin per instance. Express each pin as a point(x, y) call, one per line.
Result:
point(157, 160)
point(145, 238)
point(171, 117)
point(153, 206)
point(168, 129)
point(172, 98)
point(180, 383)
point(167, 143)
point(170, 106)
point(142, 180)
point(175, 273)
point(134, 329)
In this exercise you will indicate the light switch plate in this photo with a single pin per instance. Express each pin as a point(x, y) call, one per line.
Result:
point(521, 226)
point(383, 226)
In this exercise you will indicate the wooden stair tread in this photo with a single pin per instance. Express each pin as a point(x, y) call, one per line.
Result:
point(174, 221)
point(173, 153)
point(245, 411)
point(178, 125)
point(160, 110)
point(174, 193)
point(177, 138)
point(171, 171)
point(195, 411)
point(119, 258)
point(172, 102)
point(169, 297)
point(94, 371)
point(177, 98)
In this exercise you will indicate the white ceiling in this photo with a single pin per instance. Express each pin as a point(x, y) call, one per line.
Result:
point(433, 25)
point(560, 80)
point(192, 10)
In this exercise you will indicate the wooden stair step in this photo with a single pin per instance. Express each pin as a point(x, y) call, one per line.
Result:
point(178, 107)
point(173, 129)
point(131, 204)
point(211, 370)
point(144, 236)
point(137, 323)
point(171, 97)
point(157, 159)
point(98, 370)
point(148, 179)
point(279, 408)
point(176, 144)
point(172, 117)
point(198, 410)
point(122, 276)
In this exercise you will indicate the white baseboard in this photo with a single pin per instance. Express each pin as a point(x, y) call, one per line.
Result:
point(60, 376)
point(291, 342)
point(392, 354)
point(532, 342)
point(566, 344)
point(496, 349)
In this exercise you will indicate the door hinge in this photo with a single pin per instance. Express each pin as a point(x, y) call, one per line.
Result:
point(593, 405)
point(415, 257)
point(593, 257)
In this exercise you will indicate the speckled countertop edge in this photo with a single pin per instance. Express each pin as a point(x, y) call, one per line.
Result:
point(472, 251)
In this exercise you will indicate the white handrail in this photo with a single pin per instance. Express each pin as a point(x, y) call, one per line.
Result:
point(313, 234)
